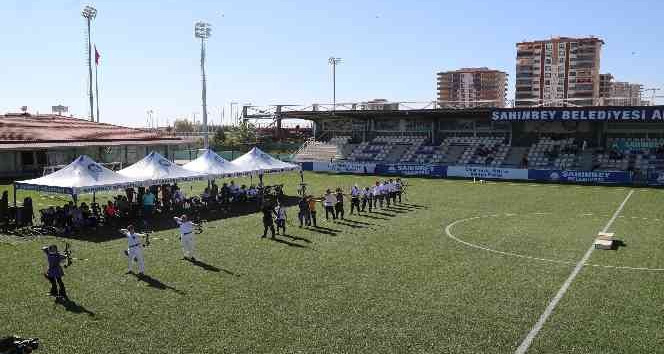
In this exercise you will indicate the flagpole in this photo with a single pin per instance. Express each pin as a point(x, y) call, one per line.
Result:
point(97, 81)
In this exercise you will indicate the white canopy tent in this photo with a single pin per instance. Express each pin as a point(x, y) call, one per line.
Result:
point(156, 169)
point(83, 175)
point(212, 165)
point(258, 162)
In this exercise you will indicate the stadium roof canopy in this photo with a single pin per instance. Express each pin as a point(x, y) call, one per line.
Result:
point(589, 113)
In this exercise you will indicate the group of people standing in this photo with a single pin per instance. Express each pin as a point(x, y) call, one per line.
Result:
point(383, 193)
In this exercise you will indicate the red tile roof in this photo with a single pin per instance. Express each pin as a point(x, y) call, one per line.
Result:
point(26, 128)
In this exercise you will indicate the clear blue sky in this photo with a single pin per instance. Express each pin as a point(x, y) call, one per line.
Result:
point(267, 52)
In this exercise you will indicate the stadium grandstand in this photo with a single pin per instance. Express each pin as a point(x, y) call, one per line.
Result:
point(38, 144)
point(577, 144)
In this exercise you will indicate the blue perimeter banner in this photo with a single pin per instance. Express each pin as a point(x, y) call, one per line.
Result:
point(412, 170)
point(440, 171)
point(487, 172)
point(614, 177)
point(636, 113)
point(656, 179)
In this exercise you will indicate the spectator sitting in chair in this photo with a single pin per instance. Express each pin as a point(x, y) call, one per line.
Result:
point(77, 218)
point(252, 192)
point(242, 194)
point(205, 197)
point(225, 194)
point(178, 196)
point(88, 218)
point(235, 190)
point(110, 212)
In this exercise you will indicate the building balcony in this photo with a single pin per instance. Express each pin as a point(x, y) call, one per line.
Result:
point(521, 54)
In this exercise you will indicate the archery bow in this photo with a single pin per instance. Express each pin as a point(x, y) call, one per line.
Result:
point(67, 254)
point(146, 242)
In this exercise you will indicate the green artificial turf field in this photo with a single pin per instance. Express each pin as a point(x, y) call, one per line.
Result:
point(458, 268)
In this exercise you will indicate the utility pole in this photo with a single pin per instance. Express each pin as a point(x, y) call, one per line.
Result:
point(202, 30)
point(89, 13)
point(334, 62)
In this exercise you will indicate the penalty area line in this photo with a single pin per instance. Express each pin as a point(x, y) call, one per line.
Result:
point(523, 348)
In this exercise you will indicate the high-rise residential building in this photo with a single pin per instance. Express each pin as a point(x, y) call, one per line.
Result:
point(472, 87)
point(605, 81)
point(625, 94)
point(560, 71)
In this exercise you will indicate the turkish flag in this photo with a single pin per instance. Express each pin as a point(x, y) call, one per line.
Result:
point(97, 56)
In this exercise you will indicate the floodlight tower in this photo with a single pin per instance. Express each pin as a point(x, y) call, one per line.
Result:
point(334, 62)
point(203, 30)
point(89, 13)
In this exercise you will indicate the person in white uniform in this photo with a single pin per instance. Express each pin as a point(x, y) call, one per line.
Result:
point(355, 194)
point(135, 250)
point(186, 236)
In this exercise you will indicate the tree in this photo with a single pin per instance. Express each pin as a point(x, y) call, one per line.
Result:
point(183, 126)
point(219, 137)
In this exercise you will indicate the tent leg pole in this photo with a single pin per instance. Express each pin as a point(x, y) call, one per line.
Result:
point(14, 195)
point(94, 197)
point(75, 198)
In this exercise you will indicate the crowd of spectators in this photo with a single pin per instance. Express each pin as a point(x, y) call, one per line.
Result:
point(142, 203)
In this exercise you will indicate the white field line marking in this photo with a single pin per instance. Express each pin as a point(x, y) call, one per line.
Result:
point(523, 348)
point(448, 232)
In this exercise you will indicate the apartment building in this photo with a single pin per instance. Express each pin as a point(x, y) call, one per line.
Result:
point(625, 94)
point(472, 87)
point(560, 71)
point(605, 81)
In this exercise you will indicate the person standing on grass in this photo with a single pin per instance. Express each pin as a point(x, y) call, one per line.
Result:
point(366, 199)
point(398, 187)
point(378, 195)
point(54, 273)
point(386, 192)
point(355, 194)
point(135, 250)
point(148, 203)
point(303, 211)
point(186, 236)
point(268, 222)
point(311, 220)
point(393, 191)
point(329, 201)
point(339, 206)
point(280, 212)
point(4, 208)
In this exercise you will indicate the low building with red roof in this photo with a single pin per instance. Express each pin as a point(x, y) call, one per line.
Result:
point(29, 143)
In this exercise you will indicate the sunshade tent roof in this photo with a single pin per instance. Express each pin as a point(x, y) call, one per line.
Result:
point(83, 175)
point(212, 165)
point(256, 161)
point(156, 169)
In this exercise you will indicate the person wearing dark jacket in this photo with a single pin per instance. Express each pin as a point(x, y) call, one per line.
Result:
point(339, 206)
point(54, 273)
point(268, 221)
point(303, 213)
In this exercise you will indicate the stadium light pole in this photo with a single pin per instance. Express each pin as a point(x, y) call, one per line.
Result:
point(203, 30)
point(89, 13)
point(334, 62)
